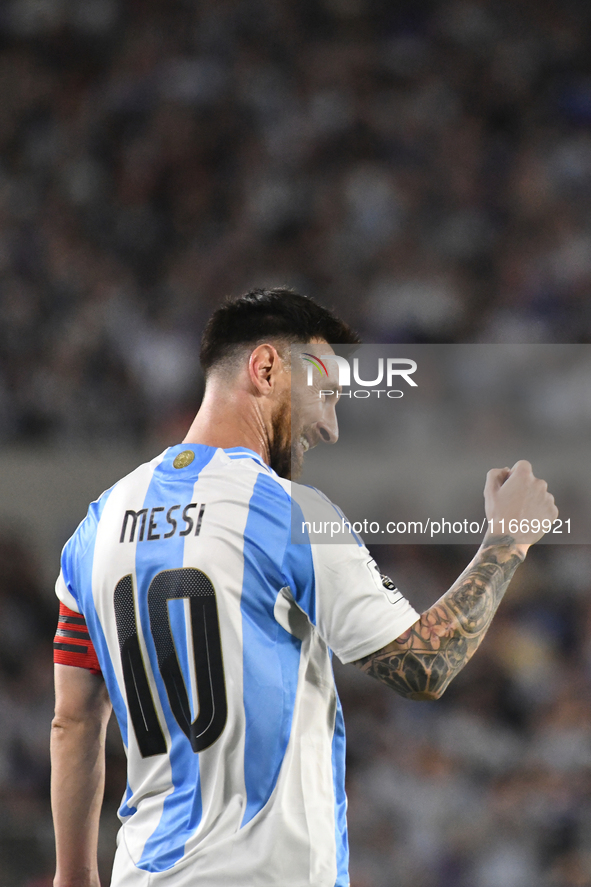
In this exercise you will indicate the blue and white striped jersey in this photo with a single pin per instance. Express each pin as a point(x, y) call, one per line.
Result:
point(214, 634)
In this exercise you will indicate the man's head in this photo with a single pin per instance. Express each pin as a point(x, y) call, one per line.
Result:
point(248, 340)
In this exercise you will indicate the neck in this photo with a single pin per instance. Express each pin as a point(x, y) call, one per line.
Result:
point(230, 419)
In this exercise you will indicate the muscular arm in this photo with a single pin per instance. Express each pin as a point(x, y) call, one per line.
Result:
point(421, 662)
point(82, 710)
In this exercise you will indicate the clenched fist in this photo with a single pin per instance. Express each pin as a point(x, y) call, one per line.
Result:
point(514, 494)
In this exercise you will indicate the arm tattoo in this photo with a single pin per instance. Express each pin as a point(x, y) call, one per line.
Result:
point(422, 661)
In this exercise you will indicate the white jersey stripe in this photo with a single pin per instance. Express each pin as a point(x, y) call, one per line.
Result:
point(222, 764)
point(182, 807)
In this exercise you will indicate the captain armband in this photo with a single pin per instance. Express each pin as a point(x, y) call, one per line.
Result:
point(72, 644)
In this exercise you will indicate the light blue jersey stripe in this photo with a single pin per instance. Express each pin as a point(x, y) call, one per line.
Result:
point(340, 798)
point(85, 539)
point(182, 809)
point(298, 565)
point(80, 552)
point(271, 655)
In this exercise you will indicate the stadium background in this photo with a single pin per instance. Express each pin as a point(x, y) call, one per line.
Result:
point(425, 168)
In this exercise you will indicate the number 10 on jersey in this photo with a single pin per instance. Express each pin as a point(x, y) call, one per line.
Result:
point(193, 585)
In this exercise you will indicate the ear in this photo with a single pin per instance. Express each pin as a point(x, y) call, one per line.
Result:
point(264, 366)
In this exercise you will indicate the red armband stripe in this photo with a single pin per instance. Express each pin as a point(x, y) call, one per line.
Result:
point(72, 644)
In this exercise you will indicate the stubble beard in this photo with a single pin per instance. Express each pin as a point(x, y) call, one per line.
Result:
point(285, 457)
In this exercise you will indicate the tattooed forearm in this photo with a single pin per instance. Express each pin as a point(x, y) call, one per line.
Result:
point(421, 662)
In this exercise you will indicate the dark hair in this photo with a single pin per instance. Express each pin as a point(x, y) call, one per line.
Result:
point(260, 315)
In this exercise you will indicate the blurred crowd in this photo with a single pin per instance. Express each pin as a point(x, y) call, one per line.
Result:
point(424, 168)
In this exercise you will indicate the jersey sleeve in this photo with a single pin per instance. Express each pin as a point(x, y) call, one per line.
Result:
point(72, 644)
point(64, 592)
point(355, 609)
point(358, 611)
